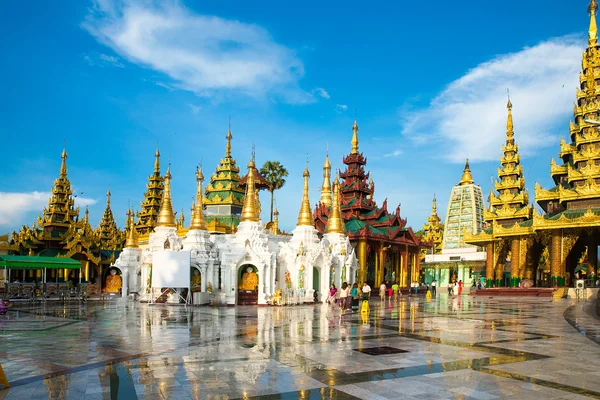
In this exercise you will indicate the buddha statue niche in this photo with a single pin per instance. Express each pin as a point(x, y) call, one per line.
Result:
point(113, 282)
point(196, 281)
point(249, 280)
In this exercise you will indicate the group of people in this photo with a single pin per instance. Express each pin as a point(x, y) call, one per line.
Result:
point(348, 296)
point(455, 288)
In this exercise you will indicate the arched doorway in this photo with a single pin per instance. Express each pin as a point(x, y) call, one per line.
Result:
point(112, 281)
point(316, 281)
point(247, 285)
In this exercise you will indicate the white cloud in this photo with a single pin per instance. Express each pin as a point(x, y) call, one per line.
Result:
point(194, 109)
point(469, 115)
point(14, 206)
point(204, 54)
point(341, 107)
point(102, 60)
point(395, 153)
point(321, 92)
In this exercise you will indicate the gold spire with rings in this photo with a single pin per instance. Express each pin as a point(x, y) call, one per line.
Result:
point(335, 223)
point(228, 137)
point(593, 31)
point(157, 162)
point(275, 226)
point(509, 122)
point(467, 178)
point(198, 222)
point(108, 197)
point(354, 136)
point(132, 241)
point(305, 217)
point(166, 216)
point(249, 211)
point(326, 188)
point(63, 164)
point(434, 206)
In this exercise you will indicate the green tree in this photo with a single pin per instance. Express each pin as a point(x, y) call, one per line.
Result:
point(275, 174)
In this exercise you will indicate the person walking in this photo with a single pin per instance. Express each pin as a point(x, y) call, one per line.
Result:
point(332, 293)
point(366, 292)
point(460, 287)
point(344, 296)
point(395, 289)
point(433, 287)
point(450, 286)
point(354, 294)
point(382, 291)
point(390, 291)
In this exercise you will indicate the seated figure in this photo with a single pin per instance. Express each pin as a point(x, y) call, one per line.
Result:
point(196, 281)
point(249, 280)
point(113, 282)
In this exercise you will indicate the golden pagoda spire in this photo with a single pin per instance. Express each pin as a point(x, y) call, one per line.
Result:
point(63, 165)
point(509, 122)
point(275, 226)
point(593, 31)
point(335, 223)
point(108, 197)
point(467, 178)
point(132, 241)
point(249, 212)
point(166, 216)
point(326, 188)
point(228, 137)
point(354, 136)
point(157, 162)
point(305, 217)
point(434, 206)
point(198, 222)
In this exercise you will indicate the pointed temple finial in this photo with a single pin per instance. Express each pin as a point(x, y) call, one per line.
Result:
point(593, 31)
point(467, 178)
point(108, 197)
point(434, 206)
point(249, 210)
point(335, 223)
point(198, 222)
point(275, 225)
point(132, 241)
point(354, 136)
point(509, 122)
point(326, 195)
point(166, 216)
point(157, 162)
point(229, 136)
point(305, 217)
point(63, 165)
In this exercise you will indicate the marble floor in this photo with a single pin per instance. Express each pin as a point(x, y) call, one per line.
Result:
point(445, 348)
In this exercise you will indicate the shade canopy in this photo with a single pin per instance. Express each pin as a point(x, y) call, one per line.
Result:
point(35, 262)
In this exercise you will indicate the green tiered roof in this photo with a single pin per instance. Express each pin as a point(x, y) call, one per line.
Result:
point(109, 236)
point(148, 216)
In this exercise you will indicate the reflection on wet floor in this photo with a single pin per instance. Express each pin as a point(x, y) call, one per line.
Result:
point(462, 347)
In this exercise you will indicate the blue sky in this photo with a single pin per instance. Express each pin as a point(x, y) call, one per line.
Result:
point(428, 80)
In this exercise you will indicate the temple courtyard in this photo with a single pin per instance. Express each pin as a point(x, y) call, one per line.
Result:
point(447, 348)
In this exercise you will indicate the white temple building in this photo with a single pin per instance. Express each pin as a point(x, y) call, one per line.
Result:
point(254, 265)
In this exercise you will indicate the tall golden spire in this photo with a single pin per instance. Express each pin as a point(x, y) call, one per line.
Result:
point(335, 223)
point(434, 206)
point(509, 122)
point(157, 162)
point(467, 178)
point(108, 197)
point(198, 222)
point(326, 188)
point(166, 216)
point(354, 137)
point(63, 165)
point(275, 226)
point(593, 31)
point(228, 145)
point(305, 217)
point(249, 211)
point(132, 241)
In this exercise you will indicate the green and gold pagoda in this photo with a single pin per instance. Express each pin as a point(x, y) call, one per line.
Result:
point(224, 196)
point(433, 232)
point(108, 235)
point(147, 217)
point(567, 233)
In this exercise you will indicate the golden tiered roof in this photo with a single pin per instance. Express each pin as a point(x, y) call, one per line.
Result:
point(109, 236)
point(148, 216)
point(578, 178)
point(511, 204)
point(433, 230)
point(132, 240)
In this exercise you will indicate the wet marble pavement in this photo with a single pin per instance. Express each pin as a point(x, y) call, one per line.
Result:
point(458, 348)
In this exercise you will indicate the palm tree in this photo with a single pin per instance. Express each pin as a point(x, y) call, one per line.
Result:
point(275, 174)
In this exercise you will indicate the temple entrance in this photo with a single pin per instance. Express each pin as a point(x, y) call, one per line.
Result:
point(316, 280)
point(112, 281)
point(248, 285)
point(582, 260)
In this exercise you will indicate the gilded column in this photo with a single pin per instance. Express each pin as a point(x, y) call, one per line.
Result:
point(417, 264)
point(555, 258)
point(515, 261)
point(381, 265)
point(489, 264)
point(362, 260)
point(593, 254)
point(86, 270)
